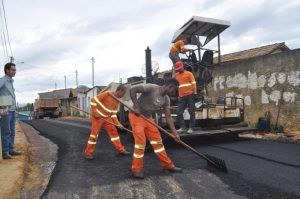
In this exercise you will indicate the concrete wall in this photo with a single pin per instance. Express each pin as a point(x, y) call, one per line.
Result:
point(260, 82)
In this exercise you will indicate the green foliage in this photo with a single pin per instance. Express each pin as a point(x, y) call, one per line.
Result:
point(27, 107)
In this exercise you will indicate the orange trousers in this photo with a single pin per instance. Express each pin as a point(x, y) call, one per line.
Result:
point(111, 130)
point(143, 130)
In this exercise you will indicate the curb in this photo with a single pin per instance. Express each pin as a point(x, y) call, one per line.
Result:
point(42, 158)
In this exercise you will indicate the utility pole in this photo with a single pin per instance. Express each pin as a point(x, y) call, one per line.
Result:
point(76, 78)
point(93, 63)
point(55, 85)
point(12, 59)
point(120, 79)
point(65, 82)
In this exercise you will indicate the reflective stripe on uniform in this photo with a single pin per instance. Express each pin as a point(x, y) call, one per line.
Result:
point(93, 136)
point(185, 85)
point(139, 146)
point(93, 104)
point(115, 138)
point(103, 115)
point(193, 82)
point(159, 150)
point(104, 107)
point(178, 51)
point(114, 115)
point(156, 142)
point(137, 155)
point(90, 142)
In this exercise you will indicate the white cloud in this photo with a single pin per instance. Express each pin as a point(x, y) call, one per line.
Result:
point(56, 38)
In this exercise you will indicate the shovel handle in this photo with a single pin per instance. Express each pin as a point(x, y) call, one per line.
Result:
point(102, 119)
point(163, 130)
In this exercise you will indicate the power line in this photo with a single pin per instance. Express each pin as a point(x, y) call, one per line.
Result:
point(5, 55)
point(3, 37)
point(6, 28)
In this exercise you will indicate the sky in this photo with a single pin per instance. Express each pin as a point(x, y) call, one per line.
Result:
point(54, 39)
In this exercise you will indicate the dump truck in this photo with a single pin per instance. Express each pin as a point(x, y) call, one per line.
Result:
point(47, 108)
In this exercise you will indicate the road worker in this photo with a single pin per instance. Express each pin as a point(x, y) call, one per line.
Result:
point(104, 107)
point(152, 98)
point(187, 92)
point(178, 47)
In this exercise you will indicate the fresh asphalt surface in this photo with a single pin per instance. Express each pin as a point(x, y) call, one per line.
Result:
point(257, 168)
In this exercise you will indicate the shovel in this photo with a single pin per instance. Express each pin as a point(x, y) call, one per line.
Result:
point(211, 160)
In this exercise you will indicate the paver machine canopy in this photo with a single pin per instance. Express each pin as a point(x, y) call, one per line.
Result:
point(199, 27)
point(205, 29)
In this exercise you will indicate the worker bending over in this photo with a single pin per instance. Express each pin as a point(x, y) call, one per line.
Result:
point(187, 90)
point(104, 107)
point(178, 47)
point(152, 98)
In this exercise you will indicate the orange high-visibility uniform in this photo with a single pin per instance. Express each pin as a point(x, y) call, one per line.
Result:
point(187, 83)
point(104, 106)
point(142, 130)
point(178, 47)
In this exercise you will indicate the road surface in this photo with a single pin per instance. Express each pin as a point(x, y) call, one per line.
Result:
point(257, 168)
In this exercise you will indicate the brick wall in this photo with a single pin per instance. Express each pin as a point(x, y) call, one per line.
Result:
point(260, 82)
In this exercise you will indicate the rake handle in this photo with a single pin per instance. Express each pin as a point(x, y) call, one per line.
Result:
point(166, 132)
point(102, 119)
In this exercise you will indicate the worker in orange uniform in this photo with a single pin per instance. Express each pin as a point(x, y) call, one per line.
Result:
point(178, 47)
point(104, 106)
point(187, 91)
point(152, 98)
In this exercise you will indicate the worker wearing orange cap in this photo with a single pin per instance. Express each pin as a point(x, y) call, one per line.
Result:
point(104, 106)
point(187, 90)
point(178, 47)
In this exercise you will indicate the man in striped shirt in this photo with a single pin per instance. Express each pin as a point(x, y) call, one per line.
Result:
point(104, 113)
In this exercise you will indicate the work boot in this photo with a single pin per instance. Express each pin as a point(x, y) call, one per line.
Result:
point(15, 153)
point(181, 130)
point(125, 153)
point(174, 170)
point(138, 175)
point(6, 156)
point(88, 157)
point(190, 131)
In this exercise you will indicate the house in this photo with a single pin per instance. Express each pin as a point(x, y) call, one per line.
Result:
point(81, 98)
point(90, 93)
point(254, 52)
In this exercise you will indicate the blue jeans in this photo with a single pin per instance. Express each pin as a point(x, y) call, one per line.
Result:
point(8, 124)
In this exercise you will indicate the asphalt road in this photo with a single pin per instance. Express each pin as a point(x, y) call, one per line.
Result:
point(257, 169)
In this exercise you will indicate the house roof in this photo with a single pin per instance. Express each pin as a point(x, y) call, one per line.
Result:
point(99, 88)
point(255, 52)
point(57, 94)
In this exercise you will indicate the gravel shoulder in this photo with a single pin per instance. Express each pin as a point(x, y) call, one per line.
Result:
point(27, 176)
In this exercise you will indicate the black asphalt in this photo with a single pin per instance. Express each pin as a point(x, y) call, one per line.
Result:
point(257, 169)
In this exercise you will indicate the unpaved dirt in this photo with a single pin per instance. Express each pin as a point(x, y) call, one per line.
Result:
point(27, 176)
point(12, 171)
point(288, 136)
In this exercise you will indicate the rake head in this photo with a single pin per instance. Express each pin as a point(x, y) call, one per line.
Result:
point(217, 163)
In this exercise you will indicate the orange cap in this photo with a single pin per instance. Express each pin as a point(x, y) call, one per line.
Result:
point(178, 65)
